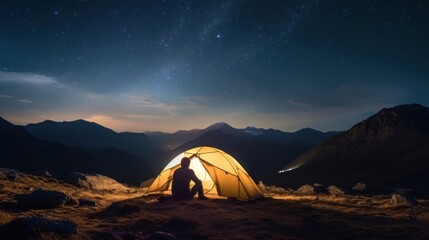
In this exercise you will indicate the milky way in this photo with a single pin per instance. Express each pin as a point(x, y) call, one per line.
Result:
point(169, 65)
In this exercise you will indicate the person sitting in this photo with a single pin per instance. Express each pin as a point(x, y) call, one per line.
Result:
point(182, 178)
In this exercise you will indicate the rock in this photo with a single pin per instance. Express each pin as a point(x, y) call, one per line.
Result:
point(72, 202)
point(9, 174)
point(94, 182)
point(28, 189)
point(262, 186)
point(402, 199)
point(125, 208)
point(359, 187)
point(273, 189)
point(319, 188)
point(86, 202)
point(42, 199)
point(278, 190)
point(305, 189)
point(162, 236)
point(334, 190)
point(310, 190)
point(36, 227)
point(147, 183)
point(47, 174)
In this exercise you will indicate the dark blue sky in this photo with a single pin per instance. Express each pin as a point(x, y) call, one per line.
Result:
point(169, 65)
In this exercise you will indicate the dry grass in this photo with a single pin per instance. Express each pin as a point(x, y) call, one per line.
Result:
point(281, 217)
point(5, 217)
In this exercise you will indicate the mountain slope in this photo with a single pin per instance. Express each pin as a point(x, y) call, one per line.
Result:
point(85, 134)
point(20, 150)
point(390, 148)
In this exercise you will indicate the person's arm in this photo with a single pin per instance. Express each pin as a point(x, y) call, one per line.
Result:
point(194, 178)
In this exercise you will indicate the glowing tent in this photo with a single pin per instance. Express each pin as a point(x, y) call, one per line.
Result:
point(219, 172)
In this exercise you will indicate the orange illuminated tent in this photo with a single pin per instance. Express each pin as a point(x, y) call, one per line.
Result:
point(220, 173)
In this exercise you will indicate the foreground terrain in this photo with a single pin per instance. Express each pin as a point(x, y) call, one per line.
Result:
point(126, 213)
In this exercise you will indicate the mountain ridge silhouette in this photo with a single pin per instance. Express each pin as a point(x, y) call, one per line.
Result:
point(389, 149)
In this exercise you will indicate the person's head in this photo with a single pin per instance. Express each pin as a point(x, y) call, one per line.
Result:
point(185, 162)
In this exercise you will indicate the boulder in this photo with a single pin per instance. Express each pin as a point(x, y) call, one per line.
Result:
point(9, 174)
point(334, 190)
point(277, 190)
point(37, 228)
point(359, 187)
point(147, 183)
point(43, 199)
point(124, 208)
point(306, 189)
point(310, 190)
point(83, 202)
point(94, 182)
point(262, 186)
point(402, 199)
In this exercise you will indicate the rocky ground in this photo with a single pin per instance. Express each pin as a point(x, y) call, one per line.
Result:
point(81, 206)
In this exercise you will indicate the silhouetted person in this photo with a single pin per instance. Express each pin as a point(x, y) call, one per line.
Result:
point(182, 178)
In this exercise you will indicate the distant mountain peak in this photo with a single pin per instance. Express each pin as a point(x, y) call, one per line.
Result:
point(388, 121)
point(307, 130)
point(78, 125)
point(253, 130)
point(48, 121)
point(79, 121)
point(219, 125)
point(406, 109)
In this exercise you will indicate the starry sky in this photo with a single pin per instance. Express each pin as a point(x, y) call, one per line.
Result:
point(170, 65)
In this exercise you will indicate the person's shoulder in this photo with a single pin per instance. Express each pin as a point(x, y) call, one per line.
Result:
point(188, 170)
point(191, 172)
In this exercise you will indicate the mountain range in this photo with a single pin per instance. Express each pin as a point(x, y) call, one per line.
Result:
point(391, 148)
point(21, 150)
point(262, 151)
point(306, 135)
point(81, 133)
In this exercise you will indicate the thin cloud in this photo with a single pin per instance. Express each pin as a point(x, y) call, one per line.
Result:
point(142, 116)
point(297, 104)
point(182, 105)
point(28, 78)
point(25, 101)
point(146, 102)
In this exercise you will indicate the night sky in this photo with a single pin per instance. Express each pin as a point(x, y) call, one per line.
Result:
point(170, 65)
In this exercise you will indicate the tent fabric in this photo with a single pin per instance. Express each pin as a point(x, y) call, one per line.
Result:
point(220, 173)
